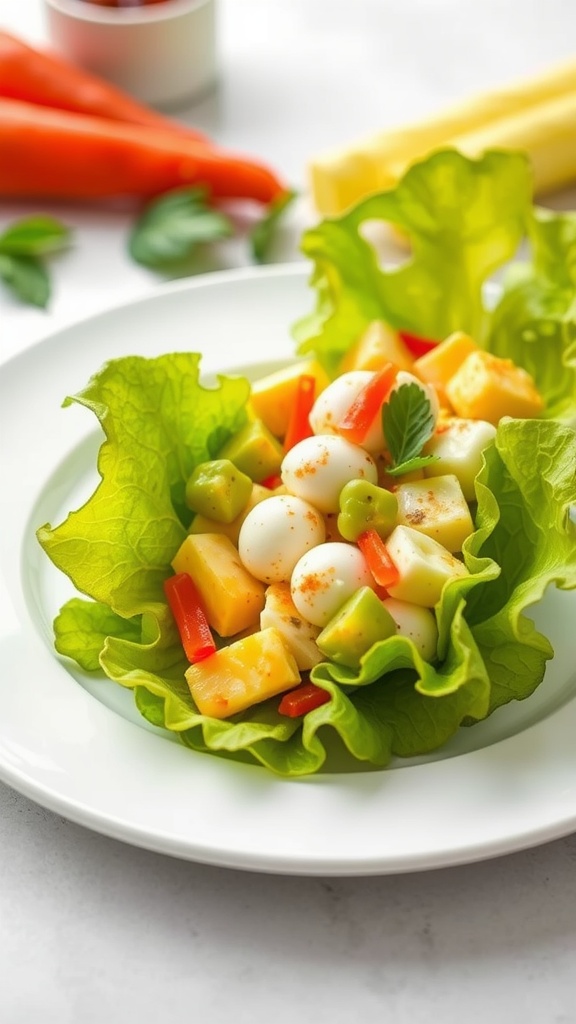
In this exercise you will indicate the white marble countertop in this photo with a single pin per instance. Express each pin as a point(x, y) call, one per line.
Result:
point(92, 929)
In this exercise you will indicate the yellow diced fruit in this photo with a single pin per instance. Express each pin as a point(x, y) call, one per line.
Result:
point(246, 672)
point(202, 524)
point(486, 387)
point(299, 636)
point(379, 344)
point(436, 507)
point(272, 397)
point(232, 598)
point(441, 363)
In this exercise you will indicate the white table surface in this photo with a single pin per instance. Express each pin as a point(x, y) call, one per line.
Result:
point(94, 930)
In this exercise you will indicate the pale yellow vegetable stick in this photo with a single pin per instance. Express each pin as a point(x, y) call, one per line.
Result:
point(342, 177)
point(546, 132)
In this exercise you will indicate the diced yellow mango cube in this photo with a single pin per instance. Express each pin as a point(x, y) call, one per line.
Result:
point(436, 507)
point(202, 524)
point(441, 363)
point(232, 598)
point(379, 344)
point(486, 387)
point(272, 397)
point(246, 672)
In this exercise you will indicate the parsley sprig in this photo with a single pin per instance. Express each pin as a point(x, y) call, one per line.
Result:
point(407, 422)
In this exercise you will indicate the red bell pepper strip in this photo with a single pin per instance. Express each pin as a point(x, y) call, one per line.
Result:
point(303, 699)
point(299, 424)
point(51, 81)
point(53, 154)
point(272, 482)
point(360, 416)
point(416, 345)
point(190, 617)
point(378, 558)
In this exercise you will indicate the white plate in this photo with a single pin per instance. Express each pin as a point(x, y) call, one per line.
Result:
point(76, 746)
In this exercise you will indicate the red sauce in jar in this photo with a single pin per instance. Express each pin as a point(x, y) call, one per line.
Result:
point(124, 3)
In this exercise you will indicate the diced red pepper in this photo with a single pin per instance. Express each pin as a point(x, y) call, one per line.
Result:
point(186, 606)
point(378, 558)
point(360, 416)
point(272, 482)
point(299, 424)
point(303, 699)
point(416, 345)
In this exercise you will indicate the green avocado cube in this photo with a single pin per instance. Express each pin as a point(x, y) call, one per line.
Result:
point(218, 490)
point(364, 506)
point(360, 623)
point(255, 451)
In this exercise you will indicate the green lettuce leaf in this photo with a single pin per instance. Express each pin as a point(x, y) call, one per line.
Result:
point(532, 537)
point(159, 422)
point(534, 321)
point(463, 219)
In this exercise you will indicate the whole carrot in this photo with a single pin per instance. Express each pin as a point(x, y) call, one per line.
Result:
point(51, 81)
point(46, 153)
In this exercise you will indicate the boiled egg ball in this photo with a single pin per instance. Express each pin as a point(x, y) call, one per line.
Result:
point(334, 402)
point(325, 577)
point(416, 623)
point(317, 468)
point(276, 533)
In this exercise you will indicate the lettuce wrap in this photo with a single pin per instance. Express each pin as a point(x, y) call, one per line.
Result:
point(464, 220)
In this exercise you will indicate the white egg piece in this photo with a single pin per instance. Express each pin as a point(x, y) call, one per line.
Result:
point(334, 402)
point(325, 577)
point(317, 468)
point(416, 623)
point(276, 533)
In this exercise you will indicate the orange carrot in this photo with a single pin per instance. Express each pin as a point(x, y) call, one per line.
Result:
point(49, 154)
point(51, 81)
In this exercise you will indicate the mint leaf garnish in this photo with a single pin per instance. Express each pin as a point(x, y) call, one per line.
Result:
point(22, 246)
point(26, 277)
point(171, 228)
point(38, 235)
point(408, 422)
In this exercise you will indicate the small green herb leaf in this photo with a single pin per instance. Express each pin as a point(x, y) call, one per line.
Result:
point(35, 236)
point(262, 233)
point(167, 234)
point(408, 422)
point(26, 277)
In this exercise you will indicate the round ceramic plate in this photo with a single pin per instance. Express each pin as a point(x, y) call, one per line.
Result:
point(76, 745)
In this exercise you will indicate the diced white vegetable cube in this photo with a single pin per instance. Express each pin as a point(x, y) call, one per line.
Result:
point(436, 507)
point(458, 449)
point(424, 565)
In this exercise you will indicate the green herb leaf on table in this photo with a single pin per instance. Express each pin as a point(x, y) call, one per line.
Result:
point(39, 235)
point(408, 422)
point(169, 231)
point(26, 277)
point(22, 246)
point(262, 234)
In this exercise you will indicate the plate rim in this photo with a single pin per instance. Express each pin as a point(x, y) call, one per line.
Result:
point(21, 777)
